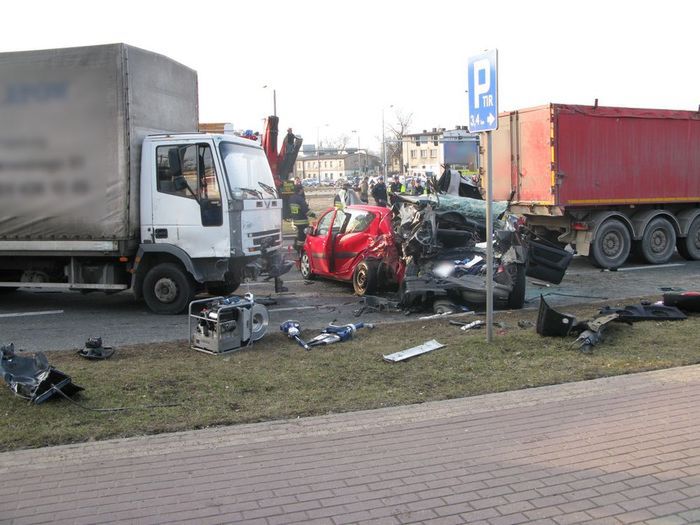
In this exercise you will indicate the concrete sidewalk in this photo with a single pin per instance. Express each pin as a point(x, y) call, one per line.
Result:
point(617, 450)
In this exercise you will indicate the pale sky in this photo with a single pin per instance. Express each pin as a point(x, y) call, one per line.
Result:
point(337, 65)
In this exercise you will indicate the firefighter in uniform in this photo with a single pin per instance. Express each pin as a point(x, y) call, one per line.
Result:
point(299, 211)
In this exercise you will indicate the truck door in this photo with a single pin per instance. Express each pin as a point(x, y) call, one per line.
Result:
point(187, 201)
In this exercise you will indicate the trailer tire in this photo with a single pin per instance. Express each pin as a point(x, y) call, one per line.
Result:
point(658, 241)
point(168, 289)
point(365, 278)
point(611, 246)
point(516, 297)
point(689, 247)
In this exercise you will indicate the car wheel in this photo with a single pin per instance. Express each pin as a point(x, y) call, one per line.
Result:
point(516, 297)
point(612, 244)
point(689, 247)
point(305, 266)
point(658, 241)
point(364, 278)
point(168, 289)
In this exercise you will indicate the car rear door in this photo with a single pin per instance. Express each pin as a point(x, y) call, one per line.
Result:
point(352, 242)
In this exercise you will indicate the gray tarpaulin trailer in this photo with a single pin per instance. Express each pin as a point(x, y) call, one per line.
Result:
point(72, 122)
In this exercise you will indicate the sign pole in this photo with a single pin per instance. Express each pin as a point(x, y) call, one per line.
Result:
point(489, 238)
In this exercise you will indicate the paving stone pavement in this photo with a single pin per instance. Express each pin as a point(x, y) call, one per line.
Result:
point(616, 450)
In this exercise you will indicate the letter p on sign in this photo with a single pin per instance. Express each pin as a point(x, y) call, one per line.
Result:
point(482, 80)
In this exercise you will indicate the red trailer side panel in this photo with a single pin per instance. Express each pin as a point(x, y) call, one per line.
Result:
point(566, 155)
point(626, 156)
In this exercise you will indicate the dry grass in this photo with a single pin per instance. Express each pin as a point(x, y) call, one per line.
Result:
point(277, 379)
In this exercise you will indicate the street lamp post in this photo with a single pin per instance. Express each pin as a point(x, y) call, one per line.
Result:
point(359, 152)
point(274, 100)
point(384, 142)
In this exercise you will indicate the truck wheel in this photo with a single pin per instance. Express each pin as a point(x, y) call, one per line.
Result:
point(658, 241)
point(305, 266)
point(611, 247)
point(364, 278)
point(689, 247)
point(516, 297)
point(168, 289)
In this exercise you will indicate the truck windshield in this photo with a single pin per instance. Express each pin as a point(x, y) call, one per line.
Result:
point(247, 169)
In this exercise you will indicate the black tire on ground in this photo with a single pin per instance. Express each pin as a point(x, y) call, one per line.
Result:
point(365, 278)
point(305, 266)
point(225, 288)
point(611, 246)
point(516, 298)
point(658, 241)
point(689, 247)
point(168, 289)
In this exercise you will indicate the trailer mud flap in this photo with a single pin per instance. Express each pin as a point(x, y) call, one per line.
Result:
point(546, 262)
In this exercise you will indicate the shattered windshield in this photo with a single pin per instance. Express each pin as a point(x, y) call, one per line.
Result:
point(247, 169)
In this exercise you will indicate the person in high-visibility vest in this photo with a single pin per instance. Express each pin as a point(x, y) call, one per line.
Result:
point(299, 211)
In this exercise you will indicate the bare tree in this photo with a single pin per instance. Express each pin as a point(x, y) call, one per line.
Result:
point(395, 133)
point(339, 143)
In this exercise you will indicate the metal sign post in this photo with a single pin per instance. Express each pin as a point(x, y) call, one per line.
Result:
point(483, 117)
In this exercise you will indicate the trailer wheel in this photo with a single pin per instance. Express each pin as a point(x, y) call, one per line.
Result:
point(658, 241)
point(611, 247)
point(689, 247)
point(516, 297)
point(168, 289)
point(365, 277)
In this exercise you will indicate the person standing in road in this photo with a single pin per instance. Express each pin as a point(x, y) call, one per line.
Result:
point(417, 187)
point(379, 192)
point(364, 190)
point(299, 211)
point(395, 188)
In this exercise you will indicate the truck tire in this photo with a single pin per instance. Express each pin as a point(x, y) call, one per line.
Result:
point(305, 266)
point(689, 247)
point(168, 289)
point(611, 246)
point(658, 241)
point(516, 298)
point(365, 277)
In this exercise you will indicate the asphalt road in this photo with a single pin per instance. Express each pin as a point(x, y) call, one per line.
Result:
point(48, 320)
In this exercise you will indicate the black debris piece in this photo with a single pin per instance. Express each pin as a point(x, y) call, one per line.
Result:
point(95, 351)
point(551, 323)
point(645, 312)
point(688, 301)
point(32, 378)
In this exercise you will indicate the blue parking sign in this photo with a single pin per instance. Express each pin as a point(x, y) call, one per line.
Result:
point(483, 91)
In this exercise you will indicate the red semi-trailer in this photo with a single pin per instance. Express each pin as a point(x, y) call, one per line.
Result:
point(608, 180)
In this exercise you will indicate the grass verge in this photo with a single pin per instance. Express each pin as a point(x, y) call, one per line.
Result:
point(276, 379)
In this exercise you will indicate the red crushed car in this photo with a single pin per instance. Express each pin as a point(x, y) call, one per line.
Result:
point(350, 245)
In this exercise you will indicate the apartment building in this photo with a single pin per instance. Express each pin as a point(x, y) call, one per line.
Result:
point(331, 167)
point(425, 153)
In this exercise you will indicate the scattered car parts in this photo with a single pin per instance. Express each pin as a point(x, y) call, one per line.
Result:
point(645, 312)
point(688, 301)
point(31, 377)
point(551, 323)
point(94, 350)
point(426, 347)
